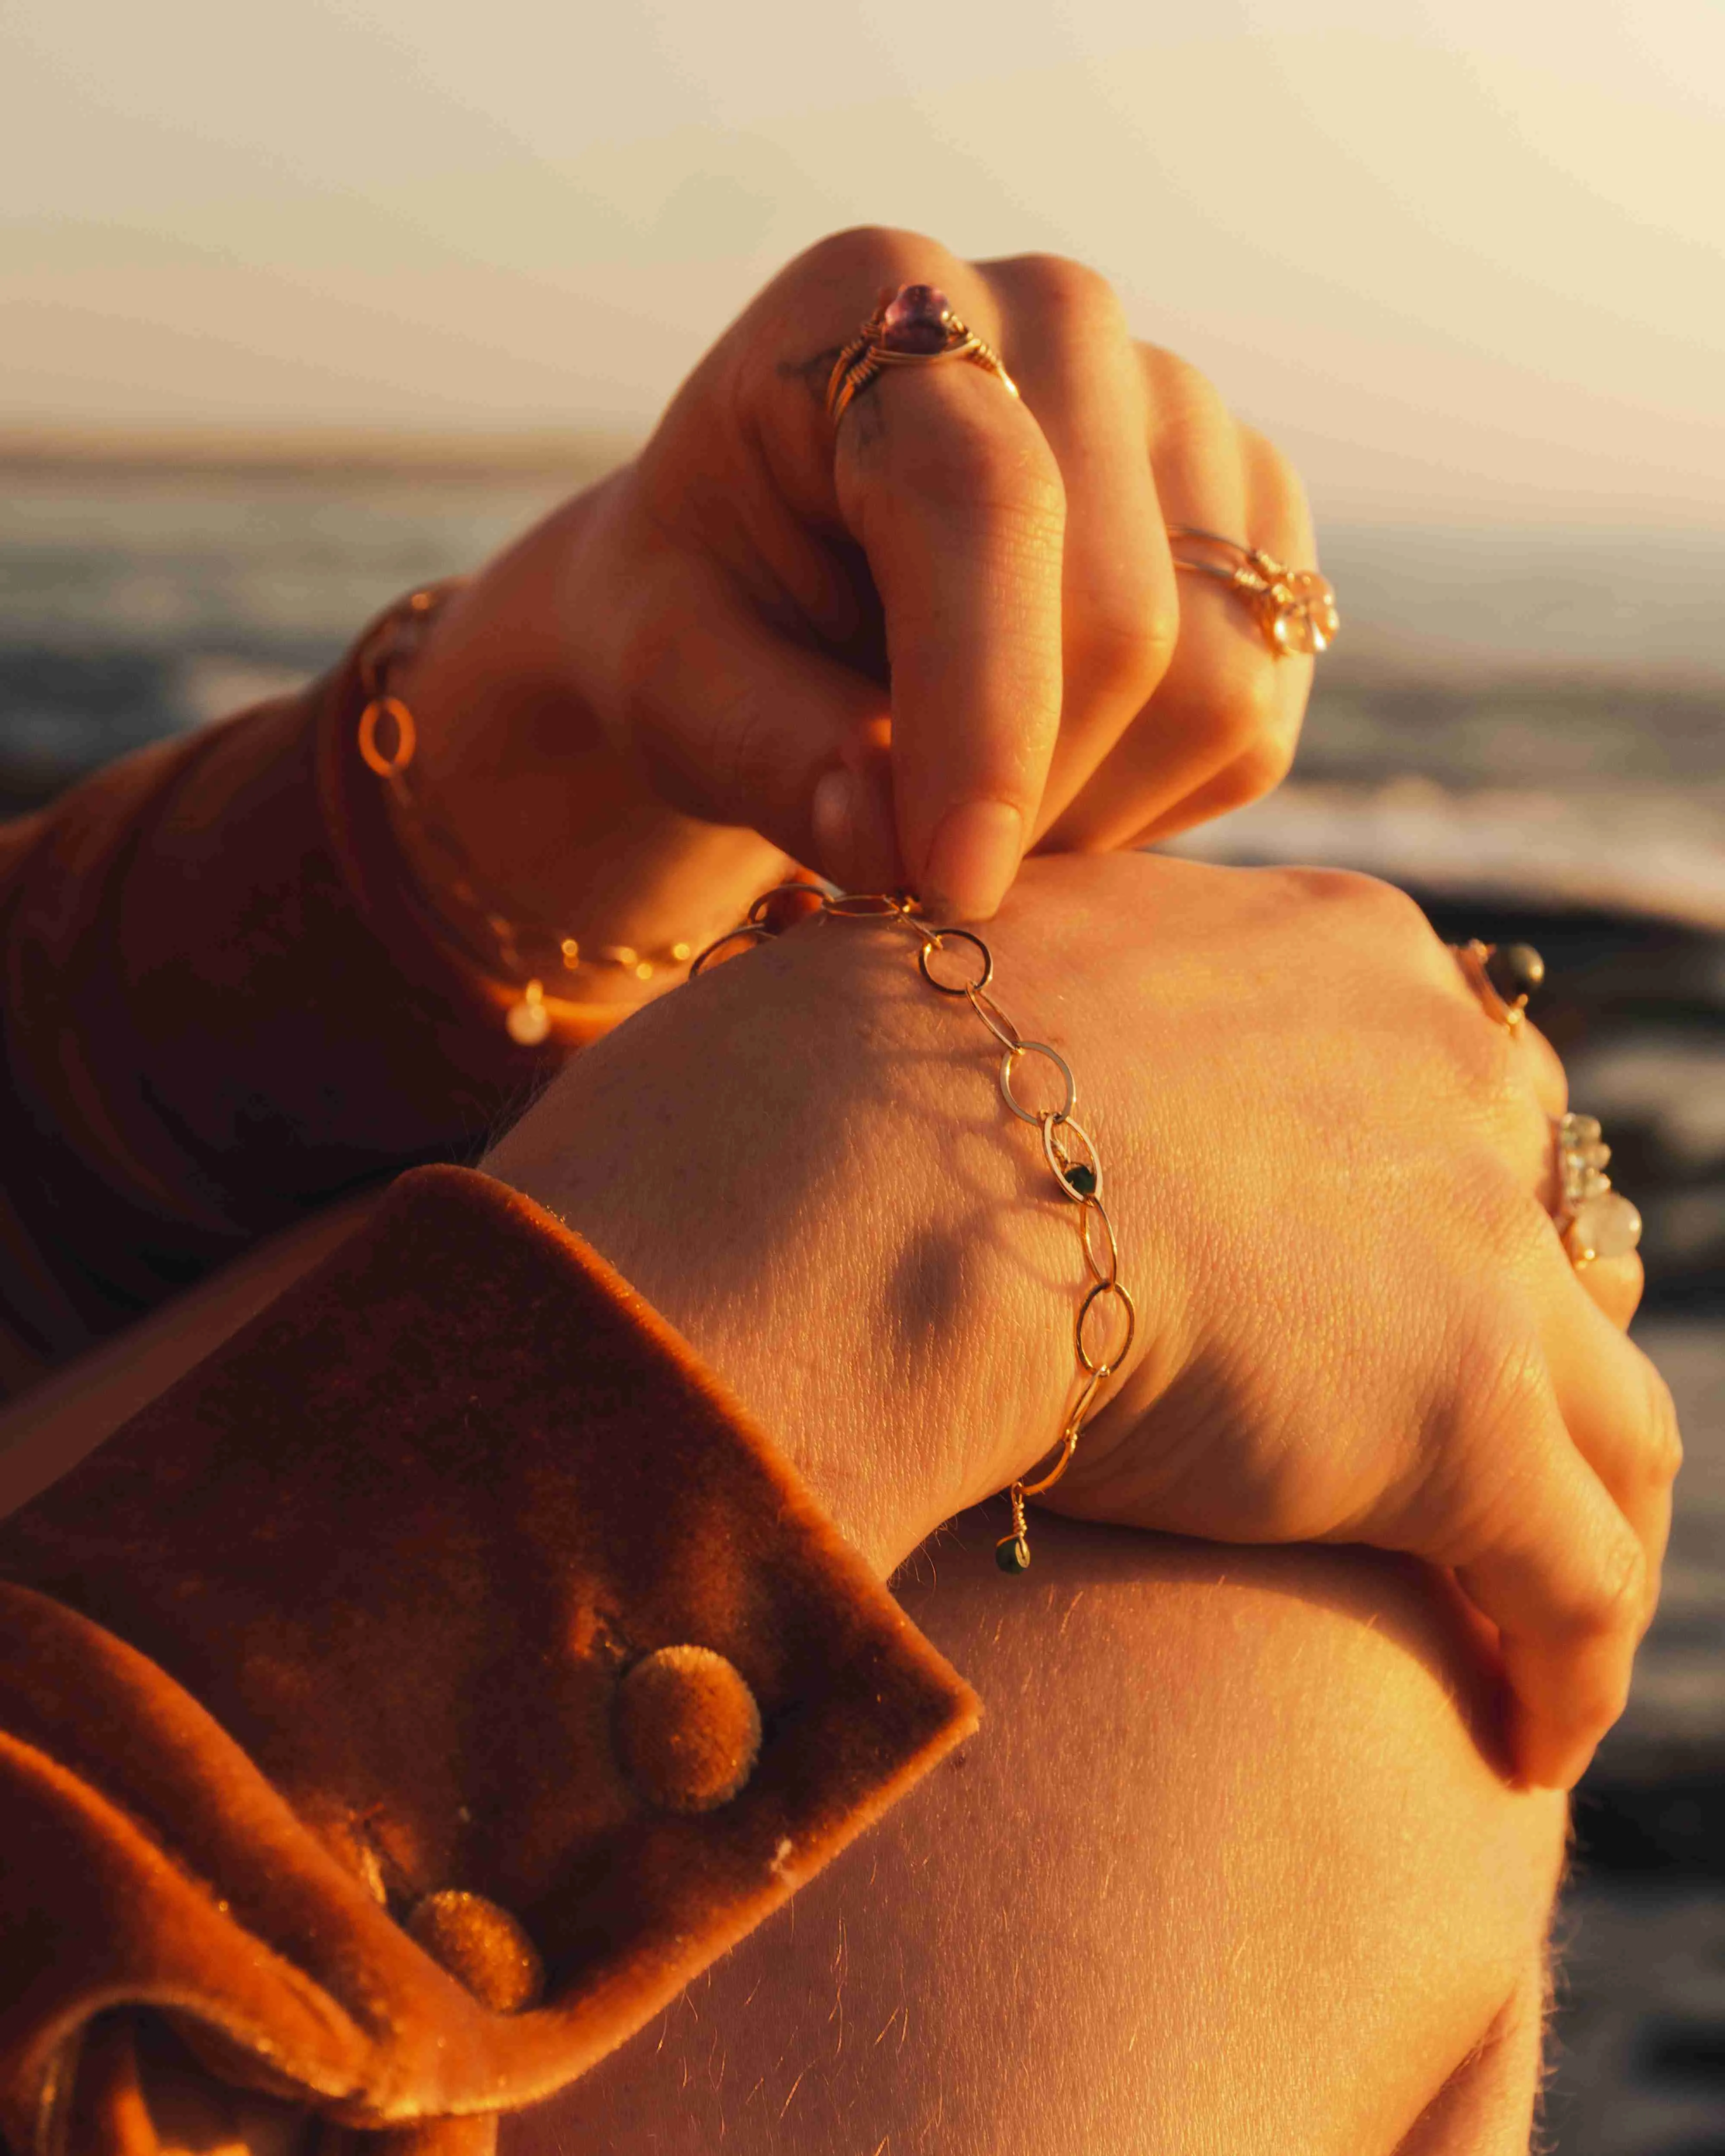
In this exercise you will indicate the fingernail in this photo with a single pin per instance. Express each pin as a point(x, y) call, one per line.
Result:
point(832, 814)
point(974, 860)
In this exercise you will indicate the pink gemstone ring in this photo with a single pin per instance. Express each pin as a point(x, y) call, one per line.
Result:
point(915, 327)
point(1295, 607)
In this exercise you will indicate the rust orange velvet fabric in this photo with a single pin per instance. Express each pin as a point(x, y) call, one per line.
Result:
point(312, 1671)
point(219, 1013)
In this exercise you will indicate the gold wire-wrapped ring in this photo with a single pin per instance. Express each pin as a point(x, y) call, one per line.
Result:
point(1502, 976)
point(1295, 607)
point(915, 327)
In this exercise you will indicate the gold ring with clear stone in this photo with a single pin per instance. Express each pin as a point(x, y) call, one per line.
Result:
point(1594, 1220)
point(1295, 607)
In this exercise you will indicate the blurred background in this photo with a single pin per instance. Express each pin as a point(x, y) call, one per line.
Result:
point(306, 301)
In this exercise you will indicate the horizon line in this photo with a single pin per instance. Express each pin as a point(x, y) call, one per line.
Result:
point(479, 455)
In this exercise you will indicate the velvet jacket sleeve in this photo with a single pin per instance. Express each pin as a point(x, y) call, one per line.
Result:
point(220, 1013)
point(403, 1705)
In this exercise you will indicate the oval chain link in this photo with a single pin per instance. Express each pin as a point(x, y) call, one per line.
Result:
point(1078, 1177)
point(1008, 1064)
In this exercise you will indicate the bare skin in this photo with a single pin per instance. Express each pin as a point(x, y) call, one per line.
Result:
point(960, 615)
point(1356, 1324)
point(1226, 1870)
point(1330, 1715)
point(908, 656)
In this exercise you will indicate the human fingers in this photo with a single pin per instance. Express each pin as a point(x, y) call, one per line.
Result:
point(735, 724)
point(1065, 336)
point(1614, 1285)
point(1545, 1074)
point(1223, 725)
point(1618, 1410)
point(956, 500)
point(944, 480)
point(1552, 1562)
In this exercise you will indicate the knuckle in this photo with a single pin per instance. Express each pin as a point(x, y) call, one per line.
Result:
point(864, 252)
point(1180, 392)
point(1276, 480)
point(1662, 1440)
point(1320, 886)
point(1069, 293)
point(995, 474)
point(1382, 907)
point(1252, 773)
point(1617, 1592)
point(1550, 1067)
point(1247, 712)
point(1269, 466)
point(1123, 649)
point(1486, 1062)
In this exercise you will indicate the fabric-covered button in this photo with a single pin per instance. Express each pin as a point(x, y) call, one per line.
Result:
point(687, 1729)
point(482, 1946)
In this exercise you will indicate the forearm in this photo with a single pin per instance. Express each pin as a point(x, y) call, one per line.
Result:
point(804, 1166)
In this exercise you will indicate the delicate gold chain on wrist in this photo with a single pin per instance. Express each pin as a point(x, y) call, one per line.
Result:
point(533, 961)
point(1077, 1170)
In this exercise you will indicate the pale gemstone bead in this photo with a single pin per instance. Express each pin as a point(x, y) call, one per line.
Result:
point(1608, 1226)
point(1594, 1155)
point(1581, 1130)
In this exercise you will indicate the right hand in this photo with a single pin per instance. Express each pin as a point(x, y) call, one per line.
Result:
point(1356, 1323)
point(903, 652)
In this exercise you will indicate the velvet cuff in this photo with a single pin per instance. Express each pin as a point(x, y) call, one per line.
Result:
point(410, 1701)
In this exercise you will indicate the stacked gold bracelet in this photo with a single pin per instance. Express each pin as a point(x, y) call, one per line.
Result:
point(1069, 1149)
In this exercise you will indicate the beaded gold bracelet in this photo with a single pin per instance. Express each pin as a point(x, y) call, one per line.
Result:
point(1077, 1168)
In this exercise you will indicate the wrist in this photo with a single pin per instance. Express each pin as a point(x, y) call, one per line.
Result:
point(515, 768)
point(804, 1168)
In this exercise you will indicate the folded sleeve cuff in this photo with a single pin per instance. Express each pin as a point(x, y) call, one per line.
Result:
point(410, 1701)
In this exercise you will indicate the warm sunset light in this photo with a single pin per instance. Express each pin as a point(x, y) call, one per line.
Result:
point(1465, 260)
point(862, 1077)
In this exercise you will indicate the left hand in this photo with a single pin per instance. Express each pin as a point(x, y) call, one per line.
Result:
point(1331, 1174)
point(839, 644)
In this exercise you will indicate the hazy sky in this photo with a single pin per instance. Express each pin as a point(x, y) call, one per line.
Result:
point(1465, 260)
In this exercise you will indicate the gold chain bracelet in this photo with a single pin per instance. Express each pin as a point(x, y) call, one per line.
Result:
point(532, 959)
point(1077, 1172)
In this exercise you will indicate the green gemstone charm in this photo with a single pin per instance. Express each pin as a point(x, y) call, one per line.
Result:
point(1081, 1179)
point(1012, 1553)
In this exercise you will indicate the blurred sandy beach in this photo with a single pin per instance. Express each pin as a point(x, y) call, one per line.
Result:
point(1526, 728)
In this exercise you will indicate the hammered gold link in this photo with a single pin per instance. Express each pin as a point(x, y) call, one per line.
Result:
point(864, 905)
point(996, 1020)
point(1013, 1552)
point(1105, 1369)
point(747, 932)
point(1008, 1063)
point(1068, 1445)
point(1094, 1210)
point(1061, 1167)
point(939, 940)
point(1080, 1415)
